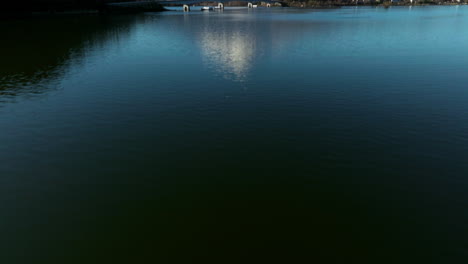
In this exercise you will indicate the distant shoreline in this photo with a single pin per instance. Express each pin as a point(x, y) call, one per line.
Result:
point(52, 7)
point(377, 4)
point(17, 13)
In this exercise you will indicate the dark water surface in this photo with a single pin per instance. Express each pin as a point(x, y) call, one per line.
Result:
point(247, 136)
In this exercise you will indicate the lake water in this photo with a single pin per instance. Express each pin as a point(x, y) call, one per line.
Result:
point(236, 136)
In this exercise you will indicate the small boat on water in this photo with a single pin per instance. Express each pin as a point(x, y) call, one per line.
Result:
point(207, 8)
point(254, 6)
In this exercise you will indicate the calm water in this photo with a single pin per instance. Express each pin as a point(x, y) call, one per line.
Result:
point(233, 137)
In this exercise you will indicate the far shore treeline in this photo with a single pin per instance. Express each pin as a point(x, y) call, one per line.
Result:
point(26, 7)
point(12, 7)
point(385, 3)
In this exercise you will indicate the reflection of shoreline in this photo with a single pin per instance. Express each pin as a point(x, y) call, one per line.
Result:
point(30, 67)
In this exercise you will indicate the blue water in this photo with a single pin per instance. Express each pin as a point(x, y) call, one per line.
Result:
point(280, 134)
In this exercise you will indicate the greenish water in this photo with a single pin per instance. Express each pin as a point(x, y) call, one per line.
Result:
point(242, 136)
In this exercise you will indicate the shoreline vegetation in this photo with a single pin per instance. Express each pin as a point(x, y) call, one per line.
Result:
point(342, 3)
point(383, 3)
point(49, 7)
point(26, 8)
